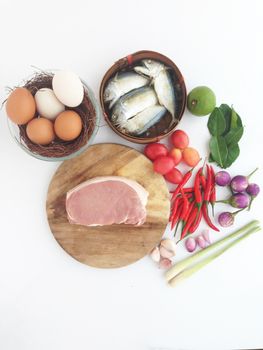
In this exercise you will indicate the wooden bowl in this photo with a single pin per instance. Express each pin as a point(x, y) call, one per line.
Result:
point(160, 129)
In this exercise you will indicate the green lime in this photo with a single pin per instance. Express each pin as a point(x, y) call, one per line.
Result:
point(201, 101)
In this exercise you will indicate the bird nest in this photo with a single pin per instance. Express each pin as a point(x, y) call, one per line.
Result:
point(59, 148)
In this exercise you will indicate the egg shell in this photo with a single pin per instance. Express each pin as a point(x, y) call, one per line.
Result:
point(20, 106)
point(48, 105)
point(68, 88)
point(68, 125)
point(40, 131)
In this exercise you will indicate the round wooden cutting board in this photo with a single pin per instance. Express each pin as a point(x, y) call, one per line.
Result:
point(111, 245)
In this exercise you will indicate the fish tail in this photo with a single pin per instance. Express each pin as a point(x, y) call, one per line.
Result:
point(113, 101)
point(174, 120)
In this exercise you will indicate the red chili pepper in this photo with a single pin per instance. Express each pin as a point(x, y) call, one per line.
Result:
point(184, 181)
point(198, 194)
point(202, 177)
point(190, 221)
point(187, 194)
point(196, 223)
point(203, 181)
point(185, 204)
point(177, 216)
point(208, 185)
point(174, 208)
point(186, 215)
point(186, 190)
point(184, 218)
point(207, 218)
point(212, 198)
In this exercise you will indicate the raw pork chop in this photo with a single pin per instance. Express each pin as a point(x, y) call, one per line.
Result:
point(107, 200)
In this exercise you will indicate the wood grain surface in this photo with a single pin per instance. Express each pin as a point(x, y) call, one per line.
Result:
point(112, 245)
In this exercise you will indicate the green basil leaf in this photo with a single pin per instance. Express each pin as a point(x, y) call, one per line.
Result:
point(216, 122)
point(232, 155)
point(234, 135)
point(218, 150)
point(210, 159)
point(227, 111)
point(236, 121)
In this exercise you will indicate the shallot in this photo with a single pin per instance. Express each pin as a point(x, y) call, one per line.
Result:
point(190, 244)
point(201, 241)
point(206, 236)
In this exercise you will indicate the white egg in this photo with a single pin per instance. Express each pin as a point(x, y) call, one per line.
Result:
point(48, 105)
point(68, 88)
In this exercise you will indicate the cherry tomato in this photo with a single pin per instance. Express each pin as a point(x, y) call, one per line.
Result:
point(154, 150)
point(163, 164)
point(180, 139)
point(174, 176)
point(176, 154)
point(191, 156)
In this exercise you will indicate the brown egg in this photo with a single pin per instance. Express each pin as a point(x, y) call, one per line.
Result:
point(40, 131)
point(20, 106)
point(68, 125)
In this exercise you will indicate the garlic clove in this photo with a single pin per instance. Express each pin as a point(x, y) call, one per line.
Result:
point(165, 263)
point(169, 244)
point(166, 253)
point(155, 254)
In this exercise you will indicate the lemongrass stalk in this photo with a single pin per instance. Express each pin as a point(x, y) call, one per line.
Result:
point(178, 267)
point(198, 266)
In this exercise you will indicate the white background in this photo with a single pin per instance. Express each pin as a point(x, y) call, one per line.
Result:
point(50, 301)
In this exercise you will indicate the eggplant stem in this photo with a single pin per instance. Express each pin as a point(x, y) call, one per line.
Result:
point(250, 203)
point(226, 201)
point(236, 212)
point(252, 173)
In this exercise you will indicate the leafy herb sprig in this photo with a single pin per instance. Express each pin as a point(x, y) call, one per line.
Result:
point(226, 128)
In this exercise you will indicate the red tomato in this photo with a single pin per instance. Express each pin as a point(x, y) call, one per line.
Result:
point(176, 154)
point(163, 164)
point(174, 176)
point(180, 139)
point(154, 150)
